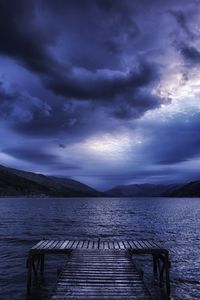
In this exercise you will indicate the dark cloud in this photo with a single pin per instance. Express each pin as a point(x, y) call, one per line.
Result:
point(69, 120)
point(18, 107)
point(112, 27)
point(61, 145)
point(30, 154)
point(20, 37)
point(135, 105)
point(182, 21)
point(175, 141)
point(38, 156)
point(102, 85)
point(190, 53)
point(186, 43)
point(35, 117)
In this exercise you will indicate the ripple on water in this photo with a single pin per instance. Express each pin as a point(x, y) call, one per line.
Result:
point(174, 222)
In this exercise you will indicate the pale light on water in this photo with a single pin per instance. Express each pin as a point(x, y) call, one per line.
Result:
point(174, 222)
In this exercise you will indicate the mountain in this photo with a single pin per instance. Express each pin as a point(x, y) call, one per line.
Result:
point(15, 182)
point(191, 189)
point(141, 190)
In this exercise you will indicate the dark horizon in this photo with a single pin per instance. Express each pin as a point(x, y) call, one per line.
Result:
point(104, 92)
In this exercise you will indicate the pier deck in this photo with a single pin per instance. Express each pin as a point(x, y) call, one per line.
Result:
point(97, 269)
point(100, 274)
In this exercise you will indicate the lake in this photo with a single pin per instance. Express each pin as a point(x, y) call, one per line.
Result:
point(175, 222)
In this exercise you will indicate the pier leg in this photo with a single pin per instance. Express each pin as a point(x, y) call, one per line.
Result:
point(164, 273)
point(167, 265)
point(42, 263)
point(29, 279)
point(155, 270)
point(34, 268)
point(98, 243)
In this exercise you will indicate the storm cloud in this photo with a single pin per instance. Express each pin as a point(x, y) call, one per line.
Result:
point(84, 86)
point(27, 43)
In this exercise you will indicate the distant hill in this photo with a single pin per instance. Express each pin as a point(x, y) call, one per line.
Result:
point(141, 190)
point(191, 189)
point(15, 182)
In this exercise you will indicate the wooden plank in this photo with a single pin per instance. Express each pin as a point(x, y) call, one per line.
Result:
point(111, 245)
point(69, 245)
point(80, 244)
point(48, 246)
point(101, 245)
point(58, 245)
point(75, 244)
point(53, 246)
point(106, 245)
point(106, 273)
point(90, 245)
point(144, 245)
point(154, 245)
point(85, 245)
point(100, 267)
point(99, 276)
point(126, 245)
point(64, 245)
point(132, 245)
point(116, 245)
point(44, 244)
point(96, 245)
point(148, 245)
point(137, 244)
point(121, 245)
point(38, 245)
point(96, 260)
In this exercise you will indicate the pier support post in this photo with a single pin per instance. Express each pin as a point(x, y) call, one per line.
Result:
point(167, 266)
point(155, 270)
point(29, 279)
point(42, 263)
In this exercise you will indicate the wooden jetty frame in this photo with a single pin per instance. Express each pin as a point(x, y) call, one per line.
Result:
point(160, 256)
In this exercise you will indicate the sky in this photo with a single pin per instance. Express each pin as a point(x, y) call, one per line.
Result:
point(106, 92)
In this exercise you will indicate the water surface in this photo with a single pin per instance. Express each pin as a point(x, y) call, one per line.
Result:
point(174, 222)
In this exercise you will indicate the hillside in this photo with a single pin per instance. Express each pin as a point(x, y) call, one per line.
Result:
point(16, 182)
point(191, 189)
point(141, 190)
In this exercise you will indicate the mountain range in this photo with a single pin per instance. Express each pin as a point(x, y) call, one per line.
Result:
point(15, 182)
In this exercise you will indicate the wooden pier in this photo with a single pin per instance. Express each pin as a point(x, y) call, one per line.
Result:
point(100, 269)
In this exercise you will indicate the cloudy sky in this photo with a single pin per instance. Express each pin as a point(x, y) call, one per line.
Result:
point(103, 91)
